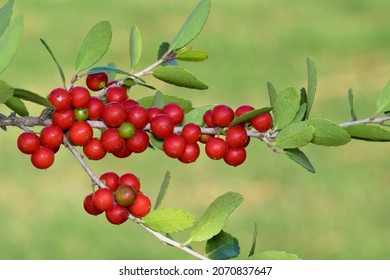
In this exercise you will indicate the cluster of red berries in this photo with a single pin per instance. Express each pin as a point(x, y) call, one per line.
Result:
point(121, 197)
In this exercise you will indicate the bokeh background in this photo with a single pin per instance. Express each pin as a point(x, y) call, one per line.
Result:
point(341, 212)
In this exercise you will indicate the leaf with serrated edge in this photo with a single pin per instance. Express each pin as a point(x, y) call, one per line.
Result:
point(55, 61)
point(9, 42)
point(5, 16)
point(17, 105)
point(5, 91)
point(135, 46)
point(249, 115)
point(178, 76)
point(273, 255)
point(163, 190)
point(368, 132)
point(94, 45)
point(328, 133)
point(299, 157)
point(271, 93)
point(311, 85)
point(222, 246)
point(192, 26)
point(286, 107)
point(215, 217)
point(192, 55)
point(169, 220)
point(32, 97)
point(254, 240)
point(295, 135)
point(196, 114)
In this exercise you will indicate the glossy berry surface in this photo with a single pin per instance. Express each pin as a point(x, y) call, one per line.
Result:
point(43, 158)
point(95, 108)
point(174, 111)
point(51, 136)
point(94, 149)
point(96, 81)
point(161, 126)
point(216, 148)
point(112, 140)
point(60, 98)
point(80, 133)
point(262, 122)
point(117, 215)
point(103, 199)
point(28, 142)
point(113, 114)
point(222, 115)
point(139, 142)
point(141, 206)
point(243, 109)
point(110, 179)
point(191, 153)
point(63, 118)
point(138, 116)
point(79, 97)
point(235, 156)
point(125, 195)
point(236, 136)
point(116, 94)
point(89, 207)
point(131, 180)
point(191, 132)
point(174, 145)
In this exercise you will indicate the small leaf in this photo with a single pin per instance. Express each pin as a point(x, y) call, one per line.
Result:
point(271, 93)
point(9, 42)
point(192, 26)
point(163, 49)
point(273, 255)
point(215, 217)
point(94, 45)
point(163, 190)
point(192, 55)
point(5, 16)
point(55, 61)
point(311, 85)
point(169, 220)
point(254, 240)
point(106, 69)
point(222, 246)
point(135, 46)
point(156, 142)
point(33, 97)
point(159, 100)
point(287, 105)
point(178, 76)
point(132, 80)
point(5, 91)
point(196, 115)
point(295, 135)
point(368, 132)
point(17, 105)
point(299, 157)
point(148, 101)
point(383, 103)
point(249, 115)
point(327, 133)
point(301, 113)
point(350, 98)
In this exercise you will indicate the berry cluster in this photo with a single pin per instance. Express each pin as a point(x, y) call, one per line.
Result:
point(121, 197)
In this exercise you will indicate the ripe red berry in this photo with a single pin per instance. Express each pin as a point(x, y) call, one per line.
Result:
point(94, 149)
point(191, 132)
point(116, 94)
point(63, 118)
point(262, 122)
point(141, 206)
point(95, 108)
point(216, 148)
point(123, 153)
point(110, 179)
point(139, 142)
point(161, 126)
point(235, 156)
point(222, 115)
point(80, 133)
point(51, 137)
point(125, 195)
point(191, 153)
point(112, 140)
point(138, 116)
point(243, 109)
point(60, 98)
point(130, 180)
point(89, 207)
point(96, 81)
point(207, 118)
point(113, 114)
point(174, 111)
point(43, 158)
point(117, 215)
point(79, 97)
point(152, 112)
point(236, 136)
point(128, 103)
point(103, 199)
point(28, 142)
point(174, 145)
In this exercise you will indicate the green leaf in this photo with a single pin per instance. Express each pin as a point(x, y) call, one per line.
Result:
point(311, 85)
point(350, 98)
point(192, 26)
point(222, 246)
point(271, 93)
point(159, 100)
point(178, 76)
point(368, 132)
point(163, 190)
point(192, 55)
point(135, 46)
point(196, 115)
point(169, 220)
point(94, 45)
point(301, 113)
point(163, 49)
point(273, 255)
point(17, 105)
point(5, 91)
point(9, 42)
point(148, 101)
point(249, 115)
point(299, 157)
point(286, 107)
point(327, 133)
point(215, 217)
point(254, 240)
point(156, 142)
point(106, 69)
point(55, 61)
point(5, 15)
point(383, 103)
point(32, 97)
point(132, 80)
point(295, 135)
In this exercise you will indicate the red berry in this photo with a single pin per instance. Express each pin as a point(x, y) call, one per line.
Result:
point(216, 148)
point(204, 138)
point(138, 116)
point(235, 156)
point(63, 118)
point(141, 206)
point(130, 180)
point(79, 97)
point(51, 137)
point(112, 140)
point(113, 114)
point(262, 122)
point(103, 199)
point(95, 108)
point(60, 98)
point(243, 109)
point(89, 207)
point(139, 142)
point(174, 145)
point(116, 94)
point(96, 81)
point(191, 132)
point(28, 142)
point(152, 112)
point(117, 215)
point(161, 126)
point(222, 115)
point(129, 103)
point(94, 149)
point(123, 153)
point(191, 153)
point(174, 111)
point(110, 179)
point(207, 118)
point(80, 133)
point(43, 158)
point(236, 136)
point(125, 195)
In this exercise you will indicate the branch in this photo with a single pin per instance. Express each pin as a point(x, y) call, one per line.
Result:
point(380, 121)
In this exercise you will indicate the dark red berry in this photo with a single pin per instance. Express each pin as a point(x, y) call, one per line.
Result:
point(161, 126)
point(152, 112)
point(52, 136)
point(216, 148)
point(79, 97)
point(94, 149)
point(28, 142)
point(103, 199)
point(191, 153)
point(60, 98)
point(130, 180)
point(125, 195)
point(174, 145)
point(89, 207)
point(113, 114)
point(95, 108)
point(235, 156)
point(222, 115)
point(191, 132)
point(43, 158)
point(139, 142)
point(129, 103)
point(207, 118)
point(262, 122)
point(174, 111)
point(243, 109)
point(141, 206)
point(117, 215)
point(116, 94)
point(112, 140)
point(96, 81)
point(123, 153)
point(80, 133)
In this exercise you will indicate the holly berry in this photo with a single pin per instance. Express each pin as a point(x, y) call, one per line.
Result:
point(116, 94)
point(103, 199)
point(222, 115)
point(174, 111)
point(60, 98)
point(125, 195)
point(262, 122)
point(80, 133)
point(161, 126)
point(139, 142)
point(236, 136)
point(63, 118)
point(96, 81)
point(51, 137)
point(79, 97)
point(110, 179)
point(95, 108)
point(112, 140)
point(43, 158)
point(94, 149)
point(28, 142)
point(138, 116)
point(89, 207)
point(113, 114)
point(191, 132)
point(130, 180)
point(191, 153)
point(117, 215)
point(216, 148)
point(235, 156)
point(141, 206)
point(174, 145)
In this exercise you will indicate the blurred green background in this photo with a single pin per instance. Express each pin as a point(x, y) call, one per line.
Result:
point(341, 212)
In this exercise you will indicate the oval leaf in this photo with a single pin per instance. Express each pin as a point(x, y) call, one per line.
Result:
point(222, 246)
point(295, 135)
point(383, 102)
point(94, 45)
point(9, 42)
point(311, 84)
point(5, 91)
point(135, 46)
point(273, 255)
point(368, 132)
point(271, 93)
point(169, 220)
point(286, 107)
point(254, 240)
point(215, 217)
point(32, 97)
point(17, 105)
point(192, 55)
point(327, 133)
point(299, 157)
point(193, 25)
point(196, 115)
point(178, 76)
point(249, 115)
point(56, 62)
point(5, 15)
point(163, 190)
